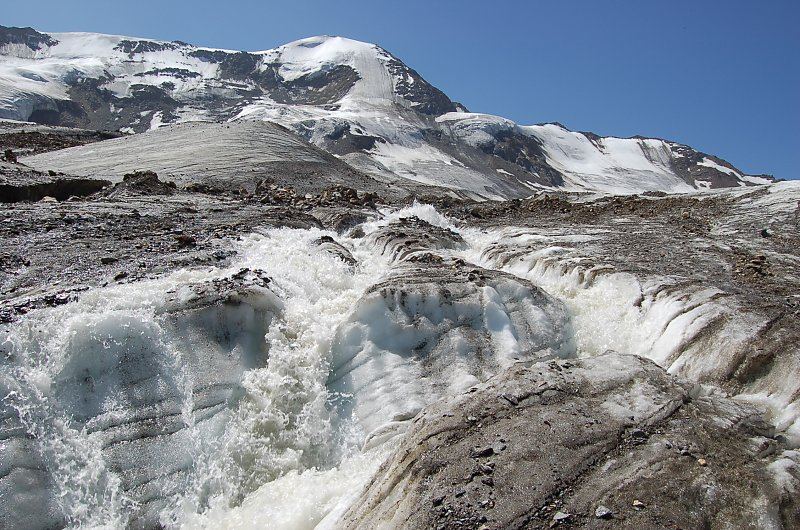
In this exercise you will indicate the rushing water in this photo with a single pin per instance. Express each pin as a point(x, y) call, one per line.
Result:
point(248, 434)
point(74, 376)
point(279, 424)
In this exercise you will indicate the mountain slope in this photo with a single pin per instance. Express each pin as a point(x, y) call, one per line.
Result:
point(353, 99)
point(590, 162)
point(222, 156)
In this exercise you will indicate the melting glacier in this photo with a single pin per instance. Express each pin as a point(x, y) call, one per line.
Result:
point(272, 389)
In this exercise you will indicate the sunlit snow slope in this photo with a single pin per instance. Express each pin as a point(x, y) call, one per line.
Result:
point(351, 98)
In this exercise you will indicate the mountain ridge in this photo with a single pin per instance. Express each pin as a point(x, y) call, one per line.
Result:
point(353, 99)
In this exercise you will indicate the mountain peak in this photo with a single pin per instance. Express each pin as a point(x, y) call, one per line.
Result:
point(342, 42)
point(352, 98)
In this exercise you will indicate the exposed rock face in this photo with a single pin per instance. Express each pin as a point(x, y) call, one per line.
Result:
point(29, 139)
point(424, 97)
point(27, 37)
point(20, 183)
point(548, 443)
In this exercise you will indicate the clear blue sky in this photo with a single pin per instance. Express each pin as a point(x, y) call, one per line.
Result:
point(722, 76)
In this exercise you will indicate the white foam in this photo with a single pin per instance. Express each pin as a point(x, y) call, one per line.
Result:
point(426, 212)
point(280, 428)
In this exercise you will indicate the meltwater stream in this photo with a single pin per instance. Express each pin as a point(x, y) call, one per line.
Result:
point(85, 384)
point(205, 398)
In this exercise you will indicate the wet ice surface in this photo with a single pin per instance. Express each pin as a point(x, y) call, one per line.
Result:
point(272, 389)
point(692, 330)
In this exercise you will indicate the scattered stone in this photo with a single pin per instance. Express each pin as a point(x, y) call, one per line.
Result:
point(185, 241)
point(209, 189)
point(603, 512)
point(482, 452)
point(559, 518)
point(638, 504)
point(702, 462)
point(638, 436)
point(108, 260)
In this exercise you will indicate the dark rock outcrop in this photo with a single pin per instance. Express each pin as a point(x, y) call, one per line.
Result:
point(19, 183)
point(28, 37)
point(141, 183)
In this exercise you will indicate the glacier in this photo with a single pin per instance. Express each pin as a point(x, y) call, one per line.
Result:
point(303, 288)
point(274, 388)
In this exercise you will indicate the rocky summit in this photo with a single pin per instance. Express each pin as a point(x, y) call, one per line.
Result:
point(303, 288)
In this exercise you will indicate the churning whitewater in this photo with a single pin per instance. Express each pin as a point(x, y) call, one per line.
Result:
point(242, 385)
point(269, 392)
point(236, 361)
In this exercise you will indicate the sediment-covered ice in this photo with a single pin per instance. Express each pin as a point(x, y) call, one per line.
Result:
point(274, 388)
point(697, 332)
point(426, 333)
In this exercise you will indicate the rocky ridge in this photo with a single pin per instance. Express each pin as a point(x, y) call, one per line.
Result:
point(354, 100)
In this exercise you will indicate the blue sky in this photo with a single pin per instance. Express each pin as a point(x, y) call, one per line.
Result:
point(721, 76)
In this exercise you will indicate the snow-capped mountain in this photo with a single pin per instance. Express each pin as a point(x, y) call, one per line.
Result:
point(353, 99)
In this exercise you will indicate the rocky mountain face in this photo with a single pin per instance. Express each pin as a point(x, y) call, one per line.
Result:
point(352, 99)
